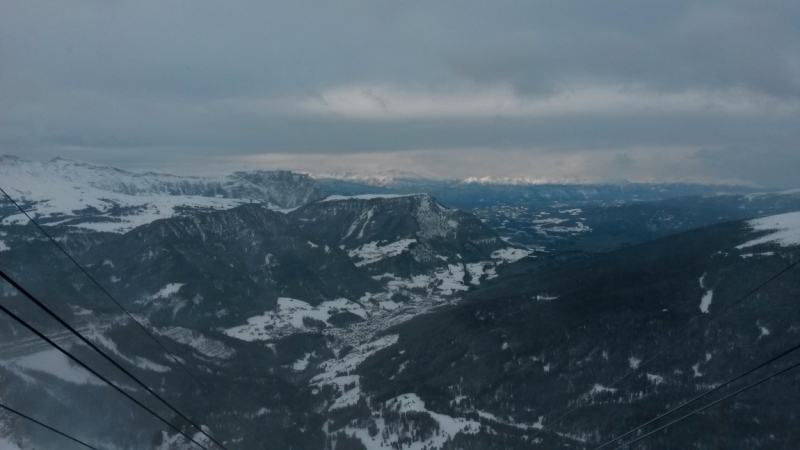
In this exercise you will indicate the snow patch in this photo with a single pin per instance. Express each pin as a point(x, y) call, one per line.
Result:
point(510, 254)
point(451, 279)
point(301, 364)
point(167, 291)
point(705, 302)
point(477, 270)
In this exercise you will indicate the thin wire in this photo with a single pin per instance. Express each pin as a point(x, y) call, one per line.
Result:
point(763, 380)
point(795, 348)
point(102, 353)
point(142, 327)
point(94, 372)
point(674, 343)
point(11, 410)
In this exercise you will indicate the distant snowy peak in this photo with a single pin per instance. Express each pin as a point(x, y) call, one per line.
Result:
point(393, 177)
point(518, 181)
point(379, 179)
point(101, 198)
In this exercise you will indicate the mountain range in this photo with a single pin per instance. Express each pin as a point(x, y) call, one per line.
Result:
point(315, 314)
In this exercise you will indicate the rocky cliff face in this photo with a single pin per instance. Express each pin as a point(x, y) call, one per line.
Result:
point(402, 235)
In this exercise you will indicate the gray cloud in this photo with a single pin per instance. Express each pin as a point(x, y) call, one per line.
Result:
point(613, 85)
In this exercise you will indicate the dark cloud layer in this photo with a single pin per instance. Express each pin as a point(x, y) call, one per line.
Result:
point(679, 90)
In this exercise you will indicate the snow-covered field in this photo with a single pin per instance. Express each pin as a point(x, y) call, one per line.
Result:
point(784, 230)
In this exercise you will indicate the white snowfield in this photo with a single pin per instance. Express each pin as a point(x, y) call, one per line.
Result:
point(784, 228)
point(288, 318)
point(167, 291)
point(378, 309)
point(510, 254)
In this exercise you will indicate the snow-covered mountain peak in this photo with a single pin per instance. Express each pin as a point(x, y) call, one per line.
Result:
point(404, 235)
point(117, 200)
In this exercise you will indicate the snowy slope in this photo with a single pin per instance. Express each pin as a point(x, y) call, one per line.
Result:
point(783, 229)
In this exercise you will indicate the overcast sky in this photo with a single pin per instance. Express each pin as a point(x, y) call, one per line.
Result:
point(570, 90)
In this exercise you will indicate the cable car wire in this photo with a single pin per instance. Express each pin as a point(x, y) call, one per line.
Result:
point(101, 353)
point(94, 372)
point(763, 380)
point(710, 391)
point(139, 324)
point(676, 342)
point(74, 439)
